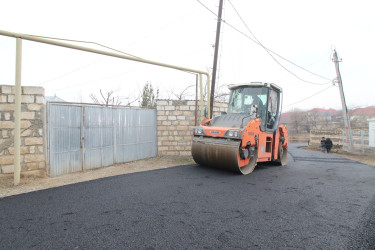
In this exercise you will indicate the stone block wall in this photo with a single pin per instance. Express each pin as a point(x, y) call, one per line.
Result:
point(175, 122)
point(32, 130)
point(359, 143)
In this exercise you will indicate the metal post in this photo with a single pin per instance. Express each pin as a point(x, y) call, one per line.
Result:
point(363, 141)
point(115, 112)
point(196, 100)
point(83, 137)
point(343, 103)
point(17, 114)
point(201, 96)
point(208, 101)
point(215, 59)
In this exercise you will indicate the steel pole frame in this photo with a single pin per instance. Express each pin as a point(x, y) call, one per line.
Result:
point(17, 114)
point(19, 37)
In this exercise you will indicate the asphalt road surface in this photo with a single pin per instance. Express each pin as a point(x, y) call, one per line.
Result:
point(316, 201)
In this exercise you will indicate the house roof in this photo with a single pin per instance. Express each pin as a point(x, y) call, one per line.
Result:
point(320, 110)
point(363, 111)
point(53, 99)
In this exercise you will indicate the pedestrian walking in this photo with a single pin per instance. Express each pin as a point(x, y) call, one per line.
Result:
point(328, 145)
point(323, 144)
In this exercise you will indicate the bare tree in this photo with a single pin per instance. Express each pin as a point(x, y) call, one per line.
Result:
point(298, 120)
point(183, 95)
point(314, 119)
point(111, 97)
point(221, 93)
point(107, 98)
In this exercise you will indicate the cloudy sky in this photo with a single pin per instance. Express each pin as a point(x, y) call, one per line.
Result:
point(183, 33)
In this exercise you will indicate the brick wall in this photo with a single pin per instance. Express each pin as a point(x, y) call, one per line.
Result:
point(175, 121)
point(32, 117)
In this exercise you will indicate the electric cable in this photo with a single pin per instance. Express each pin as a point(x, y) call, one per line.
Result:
point(207, 8)
point(270, 51)
point(97, 80)
point(309, 96)
point(98, 44)
point(68, 73)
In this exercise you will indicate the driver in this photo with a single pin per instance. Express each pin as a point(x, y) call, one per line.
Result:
point(257, 101)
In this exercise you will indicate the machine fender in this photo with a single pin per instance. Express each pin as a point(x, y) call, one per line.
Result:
point(280, 135)
point(251, 133)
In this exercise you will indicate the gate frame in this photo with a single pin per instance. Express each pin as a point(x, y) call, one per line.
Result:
point(82, 106)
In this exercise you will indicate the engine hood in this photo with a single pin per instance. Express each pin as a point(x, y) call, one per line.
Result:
point(231, 120)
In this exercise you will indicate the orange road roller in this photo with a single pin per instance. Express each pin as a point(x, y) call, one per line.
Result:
point(248, 133)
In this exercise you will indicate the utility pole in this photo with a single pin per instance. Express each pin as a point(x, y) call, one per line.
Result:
point(215, 59)
point(345, 113)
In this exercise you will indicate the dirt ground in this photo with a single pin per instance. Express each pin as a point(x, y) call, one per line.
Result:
point(366, 159)
point(33, 183)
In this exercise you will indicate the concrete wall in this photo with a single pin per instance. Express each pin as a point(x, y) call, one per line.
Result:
point(360, 139)
point(334, 135)
point(32, 130)
point(175, 121)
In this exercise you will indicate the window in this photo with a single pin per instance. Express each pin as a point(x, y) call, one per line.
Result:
point(242, 98)
point(272, 110)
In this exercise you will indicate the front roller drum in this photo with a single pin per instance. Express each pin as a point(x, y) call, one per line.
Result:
point(222, 154)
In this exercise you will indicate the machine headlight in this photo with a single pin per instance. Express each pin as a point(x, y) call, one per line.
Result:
point(233, 133)
point(199, 131)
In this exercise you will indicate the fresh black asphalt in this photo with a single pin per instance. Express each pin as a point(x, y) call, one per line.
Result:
point(316, 201)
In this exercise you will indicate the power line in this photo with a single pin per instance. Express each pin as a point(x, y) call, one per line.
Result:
point(309, 96)
point(68, 73)
point(270, 51)
point(207, 8)
point(97, 80)
point(98, 44)
point(84, 66)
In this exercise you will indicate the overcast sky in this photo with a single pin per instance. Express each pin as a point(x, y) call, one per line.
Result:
point(183, 33)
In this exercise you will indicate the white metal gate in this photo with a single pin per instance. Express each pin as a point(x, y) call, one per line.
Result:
point(83, 136)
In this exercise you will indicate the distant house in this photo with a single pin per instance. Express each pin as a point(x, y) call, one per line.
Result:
point(359, 116)
point(53, 99)
point(369, 111)
point(322, 118)
point(319, 118)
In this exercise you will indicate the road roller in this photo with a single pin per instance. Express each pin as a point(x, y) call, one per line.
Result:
point(248, 133)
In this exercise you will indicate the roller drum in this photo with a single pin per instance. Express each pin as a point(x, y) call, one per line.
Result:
point(216, 152)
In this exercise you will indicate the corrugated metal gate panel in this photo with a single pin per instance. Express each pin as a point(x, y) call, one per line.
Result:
point(64, 139)
point(99, 140)
point(135, 135)
point(109, 135)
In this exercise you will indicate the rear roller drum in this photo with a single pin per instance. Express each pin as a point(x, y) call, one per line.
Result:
point(247, 165)
point(283, 153)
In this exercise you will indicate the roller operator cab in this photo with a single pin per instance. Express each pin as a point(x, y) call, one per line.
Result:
point(247, 134)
